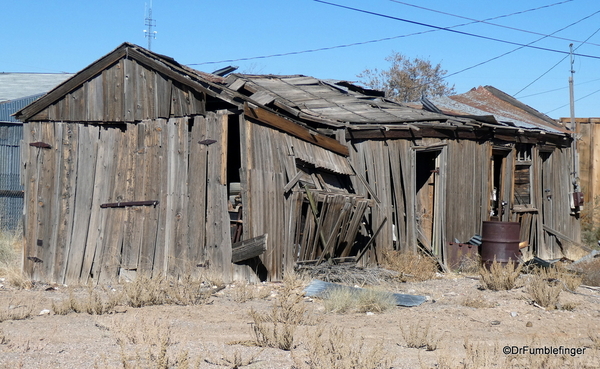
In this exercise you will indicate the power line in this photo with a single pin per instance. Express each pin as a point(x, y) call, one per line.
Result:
point(558, 89)
point(310, 50)
point(378, 40)
point(521, 47)
point(485, 21)
point(581, 98)
point(452, 30)
point(555, 65)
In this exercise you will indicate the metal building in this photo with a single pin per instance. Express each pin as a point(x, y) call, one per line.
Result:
point(17, 90)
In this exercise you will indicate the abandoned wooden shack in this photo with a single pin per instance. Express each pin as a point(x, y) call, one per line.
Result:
point(435, 175)
point(138, 164)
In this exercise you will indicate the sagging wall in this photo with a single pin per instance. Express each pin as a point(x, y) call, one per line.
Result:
point(413, 183)
point(275, 202)
point(71, 238)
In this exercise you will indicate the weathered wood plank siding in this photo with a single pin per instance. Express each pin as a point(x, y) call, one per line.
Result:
point(125, 92)
point(71, 238)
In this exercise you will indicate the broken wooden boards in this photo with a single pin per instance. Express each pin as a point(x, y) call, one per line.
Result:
point(318, 288)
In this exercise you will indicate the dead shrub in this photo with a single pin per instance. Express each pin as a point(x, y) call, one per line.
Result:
point(420, 336)
point(594, 336)
point(234, 359)
point(411, 266)
point(569, 279)
point(469, 264)
point(589, 272)
point(478, 356)
point(336, 350)
point(544, 289)
point(500, 277)
point(147, 344)
point(277, 327)
point(145, 291)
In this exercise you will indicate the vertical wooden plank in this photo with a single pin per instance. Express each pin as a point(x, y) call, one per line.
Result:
point(162, 233)
point(129, 90)
point(66, 200)
point(133, 216)
point(180, 263)
point(102, 221)
point(32, 133)
point(218, 239)
point(83, 208)
point(46, 195)
point(197, 192)
point(116, 217)
point(151, 191)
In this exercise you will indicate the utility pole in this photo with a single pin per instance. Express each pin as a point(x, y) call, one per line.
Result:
point(573, 125)
point(150, 23)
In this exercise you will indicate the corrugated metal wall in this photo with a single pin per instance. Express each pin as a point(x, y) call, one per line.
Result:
point(11, 191)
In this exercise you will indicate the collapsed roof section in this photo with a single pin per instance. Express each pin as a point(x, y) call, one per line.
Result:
point(482, 114)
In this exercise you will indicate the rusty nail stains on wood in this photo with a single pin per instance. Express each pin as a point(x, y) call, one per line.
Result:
point(40, 144)
point(129, 203)
point(207, 142)
point(34, 259)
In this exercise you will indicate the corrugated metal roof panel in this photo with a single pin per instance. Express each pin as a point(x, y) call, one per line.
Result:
point(8, 108)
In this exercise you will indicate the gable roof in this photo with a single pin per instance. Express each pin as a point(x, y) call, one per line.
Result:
point(192, 78)
point(488, 100)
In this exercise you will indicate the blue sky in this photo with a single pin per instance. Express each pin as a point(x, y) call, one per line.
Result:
point(68, 35)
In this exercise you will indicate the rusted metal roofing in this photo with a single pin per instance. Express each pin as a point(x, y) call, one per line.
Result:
point(487, 100)
point(326, 101)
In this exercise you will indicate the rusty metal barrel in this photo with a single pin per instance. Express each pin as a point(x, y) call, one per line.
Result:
point(500, 242)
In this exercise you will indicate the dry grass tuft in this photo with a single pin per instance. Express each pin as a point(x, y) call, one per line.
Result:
point(11, 243)
point(420, 336)
point(344, 300)
point(16, 311)
point(244, 292)
point(476, 302)
point(411, 266)
point(500, 277)
point(145, 291)
point(336, 350)
point(92, 302)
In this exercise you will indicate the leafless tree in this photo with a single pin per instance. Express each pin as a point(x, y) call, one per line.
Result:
point(407, 79)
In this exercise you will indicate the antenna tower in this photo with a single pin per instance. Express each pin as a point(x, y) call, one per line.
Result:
point(150, 23)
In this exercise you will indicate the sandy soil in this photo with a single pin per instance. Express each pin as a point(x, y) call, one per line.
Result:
point(211, 334)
